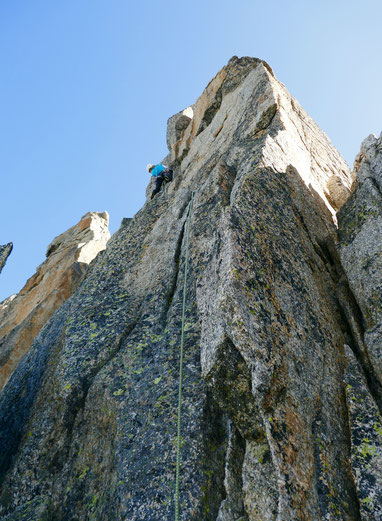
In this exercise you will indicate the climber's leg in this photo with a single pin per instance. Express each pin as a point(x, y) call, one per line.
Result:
point(158, 184)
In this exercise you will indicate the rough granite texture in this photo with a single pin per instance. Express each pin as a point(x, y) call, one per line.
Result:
point(360, 249)
point(88, 419)
point(5, 251)
point(67, 260)
point(360, 233)
point(366, 440)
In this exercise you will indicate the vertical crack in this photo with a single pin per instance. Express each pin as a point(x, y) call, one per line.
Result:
point(232, 506)
point(178, 251)
point(353, 318)
point(353, 326)
point(177, 255)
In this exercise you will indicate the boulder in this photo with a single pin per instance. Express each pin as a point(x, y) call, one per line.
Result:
point(176, 125)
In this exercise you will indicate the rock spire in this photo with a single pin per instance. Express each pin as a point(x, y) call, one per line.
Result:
point(280, 335)
point(67, 260)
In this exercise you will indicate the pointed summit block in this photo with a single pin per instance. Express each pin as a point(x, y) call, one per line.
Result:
point(245, 103)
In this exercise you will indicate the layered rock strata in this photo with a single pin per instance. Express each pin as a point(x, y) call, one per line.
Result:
point(67, 260)
point(88, 419)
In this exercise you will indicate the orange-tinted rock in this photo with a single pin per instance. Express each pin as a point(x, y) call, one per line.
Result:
point(68, 258)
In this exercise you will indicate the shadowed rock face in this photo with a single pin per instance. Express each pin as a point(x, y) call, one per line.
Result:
point(68, 257)
point(5, 251)
point(88, 419)
point(360, 232)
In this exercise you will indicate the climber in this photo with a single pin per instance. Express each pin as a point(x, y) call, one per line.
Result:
point(161, 173)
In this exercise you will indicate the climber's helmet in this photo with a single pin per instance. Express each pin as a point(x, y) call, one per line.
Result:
point(149, 167)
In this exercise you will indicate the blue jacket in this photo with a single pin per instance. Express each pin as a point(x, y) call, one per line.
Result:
point(157, 170)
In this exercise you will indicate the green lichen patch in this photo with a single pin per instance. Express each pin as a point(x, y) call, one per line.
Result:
point(366, 441)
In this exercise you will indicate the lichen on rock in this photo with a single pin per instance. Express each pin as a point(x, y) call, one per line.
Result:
point(68, 257)
point(360, 232)
point(88, 419)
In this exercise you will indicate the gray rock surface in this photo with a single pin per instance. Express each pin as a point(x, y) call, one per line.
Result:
point(360, 232)
point(366, 440)
point(5, 251)
point(360, 249)
point(88, 419)
point(176, 125)
point(68, 257)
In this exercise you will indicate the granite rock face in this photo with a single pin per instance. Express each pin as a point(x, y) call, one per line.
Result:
point(360, 232)
point(366, 440)
point(360, 248)
point(5, 251)
point(68, 257)
point(88, 419)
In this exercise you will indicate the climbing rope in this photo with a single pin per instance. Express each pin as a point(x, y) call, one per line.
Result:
point(177, 479)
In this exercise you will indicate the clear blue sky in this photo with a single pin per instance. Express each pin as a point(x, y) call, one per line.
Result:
point(87, 87)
